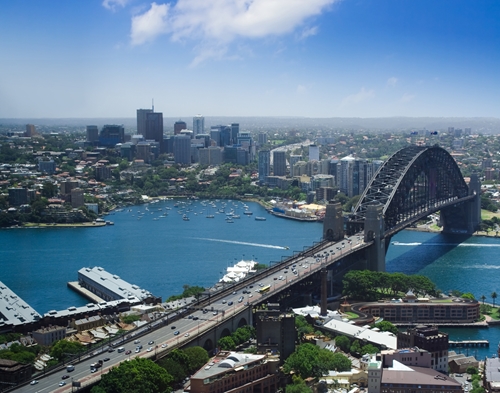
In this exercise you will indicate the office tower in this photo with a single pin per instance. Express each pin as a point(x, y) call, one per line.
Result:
point(198, 124)
point(225, 135)
point(30, 130)
point(141, 120)
point(92, 134)
point(293, 160)
point(154, 128)
point(313, 152)
point(111, 134)
point(182, 149)
point(179, 126)
point(215, 135)
point(235, 131)
point(262, 138)
point(279, 163)
point(205, 138)
point(264, 165)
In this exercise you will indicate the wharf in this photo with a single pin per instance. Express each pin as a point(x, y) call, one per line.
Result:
point(469, 343)
point(75, 286)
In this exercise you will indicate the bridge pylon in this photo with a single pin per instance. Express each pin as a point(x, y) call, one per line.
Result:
point(333, 223)
point(374, 232)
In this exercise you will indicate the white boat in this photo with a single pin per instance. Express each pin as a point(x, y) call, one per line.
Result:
point(260, 218)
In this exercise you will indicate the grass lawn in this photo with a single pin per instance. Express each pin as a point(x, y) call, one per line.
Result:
point(351, 315)
point(487, 215)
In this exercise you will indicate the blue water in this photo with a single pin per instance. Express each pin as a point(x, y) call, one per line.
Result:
point(161, 254)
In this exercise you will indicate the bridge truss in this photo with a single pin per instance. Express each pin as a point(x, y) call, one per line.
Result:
point(413, 183)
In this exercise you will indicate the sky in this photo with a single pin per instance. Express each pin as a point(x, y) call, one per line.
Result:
point(308, 58)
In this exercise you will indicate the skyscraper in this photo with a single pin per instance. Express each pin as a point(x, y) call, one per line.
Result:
point(264, 165)
point(235, 131)
point(30, 130)
point(313, 152)
point(92, 134)
point(154, 128)
point(279, 163)
point(141, 120)
point(179, 126)
point(198, 124)
point(182, 149)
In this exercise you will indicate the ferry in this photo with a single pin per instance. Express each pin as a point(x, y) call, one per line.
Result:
point(260, 218)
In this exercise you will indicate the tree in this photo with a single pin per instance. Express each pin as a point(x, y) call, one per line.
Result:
point(494, 296)
point(343, 343)
point(470, 296)
point(386, 326)
point(369, 348)
point(135, 376)
point(196, 357)
point(227, 343)
point(63, 348)
point(483, 298)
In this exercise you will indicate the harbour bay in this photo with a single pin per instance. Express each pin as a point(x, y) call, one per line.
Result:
point(162, 252)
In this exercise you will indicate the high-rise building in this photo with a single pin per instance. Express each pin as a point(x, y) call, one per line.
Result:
point(313, 152)
point(198, 124)
point(18, 196)
point(235, 131)
point(154, 128)
point(264, 165)
point(262, 138)
point(293, 160)
point(215, 136)
point(30, 130)
point(279, 163)
point(92, 134)
point(182, 149)
point(110, 135)
point(179, 126)
point(141, 120)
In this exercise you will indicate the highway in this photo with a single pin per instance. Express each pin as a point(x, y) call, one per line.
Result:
point(164, 334)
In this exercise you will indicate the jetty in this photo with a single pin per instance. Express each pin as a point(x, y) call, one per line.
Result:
point(469, 343)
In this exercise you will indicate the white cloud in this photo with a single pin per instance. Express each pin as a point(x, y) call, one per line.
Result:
point(362, 95)
point(217, 23)
point(114, 4)
point(407, 97)
point(392, 81)
point(148, 26)
point(308, 32)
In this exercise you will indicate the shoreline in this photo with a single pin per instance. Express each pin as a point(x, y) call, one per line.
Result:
point(32, 225)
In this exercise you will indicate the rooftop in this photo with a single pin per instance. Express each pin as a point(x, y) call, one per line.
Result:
point(13, 309)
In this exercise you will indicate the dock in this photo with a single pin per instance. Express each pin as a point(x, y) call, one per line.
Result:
point(75, 286)
point(469, 343)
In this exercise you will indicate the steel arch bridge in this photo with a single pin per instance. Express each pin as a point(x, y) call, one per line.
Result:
point(413, 183)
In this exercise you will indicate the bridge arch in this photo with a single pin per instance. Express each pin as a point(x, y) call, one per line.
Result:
point(414, 182)
point(225, 332)
point(242, 322)
point(208, 345)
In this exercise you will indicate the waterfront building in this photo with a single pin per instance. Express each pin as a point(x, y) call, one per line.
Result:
point(430, 339)
point(233, 372)
point(325, 193)
point(275, 331)
point(14, 311)
point(198, 124)
point(182, 149)
point(77, 197)
point(141, 120)
point(279, 163)
point(92, 134)
point(109, 286)
point(18, 196)
point(491, 374)
point(179, 126)
point(48, 335)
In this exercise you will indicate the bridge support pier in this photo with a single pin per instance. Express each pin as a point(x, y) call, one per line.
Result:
point(333, 223)
point(374, 231)
point(324, 292)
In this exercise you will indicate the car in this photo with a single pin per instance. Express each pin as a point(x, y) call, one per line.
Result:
point(105, 360)
point(66, 376)
point(186, 335)
point(246, 304)
point(275, 278)
point(195, 318)
point(190, 317)
point(224, 301)
point(176, 333)
point(172, 327)
point(62, 383)
point(260, 284)
point(234, 292)
point(230, 303)
point(137, 350)
point(240, 299)
point(128, 352)
point(34, 382)
point(205, 311)
point(137, 341)
point(93, 370)
point(251, 286)
point(251, 295)
point(151, 342)
point(111, 350)
point(214, 313)
point(150, 349)
point(164, 345)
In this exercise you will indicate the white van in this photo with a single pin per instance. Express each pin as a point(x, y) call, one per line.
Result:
point(121, 349)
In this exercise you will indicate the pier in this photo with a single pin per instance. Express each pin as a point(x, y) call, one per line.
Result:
point(469, 343)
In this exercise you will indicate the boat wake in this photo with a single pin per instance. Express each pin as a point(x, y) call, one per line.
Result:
point(243, 243)
point(446, 244)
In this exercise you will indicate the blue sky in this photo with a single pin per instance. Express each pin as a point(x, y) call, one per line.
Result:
point(312, 58)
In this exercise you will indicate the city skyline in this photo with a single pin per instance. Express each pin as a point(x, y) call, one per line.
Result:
point(315, 58)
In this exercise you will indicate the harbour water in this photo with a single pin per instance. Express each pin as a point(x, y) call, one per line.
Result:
point(154, 247)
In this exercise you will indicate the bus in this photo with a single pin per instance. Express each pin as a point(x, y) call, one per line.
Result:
point(264, 289)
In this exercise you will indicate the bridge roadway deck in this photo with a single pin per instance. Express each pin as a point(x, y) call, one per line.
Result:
point(203, 317)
